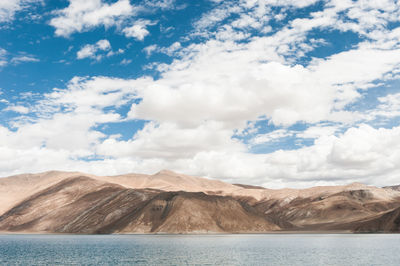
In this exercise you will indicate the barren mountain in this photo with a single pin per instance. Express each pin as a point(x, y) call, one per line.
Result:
point(168, 202)
point(397, 188)
point(386, 222)
point(329, 211)
point(85, 205)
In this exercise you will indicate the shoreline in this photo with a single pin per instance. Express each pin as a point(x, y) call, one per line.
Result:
point(324, 232)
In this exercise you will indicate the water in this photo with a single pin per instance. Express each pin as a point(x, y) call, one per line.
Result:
point(275, 249)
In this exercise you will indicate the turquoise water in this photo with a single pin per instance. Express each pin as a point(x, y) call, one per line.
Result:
point(275, 249)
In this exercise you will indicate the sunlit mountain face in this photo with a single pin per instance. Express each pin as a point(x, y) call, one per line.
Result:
point(290, 93)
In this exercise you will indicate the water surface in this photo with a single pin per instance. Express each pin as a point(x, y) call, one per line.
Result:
point(273, 249)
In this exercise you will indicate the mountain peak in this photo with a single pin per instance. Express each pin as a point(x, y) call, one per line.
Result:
point(356, 185)
point(166, 172)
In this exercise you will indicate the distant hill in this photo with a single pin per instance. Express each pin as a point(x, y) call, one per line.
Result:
point(397, 188)
point(168, 202)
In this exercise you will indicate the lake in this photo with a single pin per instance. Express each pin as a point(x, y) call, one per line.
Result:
point(269, 249)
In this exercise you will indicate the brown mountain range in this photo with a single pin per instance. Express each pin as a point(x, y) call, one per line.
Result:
point(168, 202)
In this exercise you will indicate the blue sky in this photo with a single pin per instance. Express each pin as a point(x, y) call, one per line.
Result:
point(274, 93)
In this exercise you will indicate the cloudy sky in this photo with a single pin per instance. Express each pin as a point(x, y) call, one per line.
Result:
point(288, 93)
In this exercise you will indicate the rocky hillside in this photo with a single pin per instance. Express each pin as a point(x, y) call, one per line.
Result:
point(167, 202)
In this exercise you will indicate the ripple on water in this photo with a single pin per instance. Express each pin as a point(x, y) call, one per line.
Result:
point(275, 249)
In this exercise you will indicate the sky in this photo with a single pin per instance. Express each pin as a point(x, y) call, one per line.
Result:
point(288, 93)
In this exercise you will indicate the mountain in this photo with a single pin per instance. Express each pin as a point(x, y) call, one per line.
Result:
point(386, 222)
point(81, 204)
point(330, 208)
point(168, 202)
point(397, 188)
point(13, 189)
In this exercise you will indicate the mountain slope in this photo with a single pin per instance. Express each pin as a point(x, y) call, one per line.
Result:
point(168, 202)
point(386, 222)
point(186, 212)
point(52, 208)
point(324, 211)
point(15, 188)
point(85, 205)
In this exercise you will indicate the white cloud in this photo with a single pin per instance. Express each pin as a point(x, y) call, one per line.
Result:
point(389, 106)
point(361, 153)
point(3, 59)
point(138, 29)
point(69, 132)
point(150, 49)
point(232, 76)
point(103, 45)
point(96, 92)
point(224, 85)
point(216, 16)
point(169, 50)
point(126, 61)
point(162, 4)
point(111, 53)
point(23, 58)
point(18, 109)
point(293, 3)
point(8, 8)
point(319, 131)
point(271, 136)
point(91, 50)
point(170, 141)
point(82, 16)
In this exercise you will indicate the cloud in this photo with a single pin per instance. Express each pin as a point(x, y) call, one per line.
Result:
point(162, 4)
point(271, 136)
point(315, 132)
point(202, 109)
point(80, 17)
point(138, 29)
point(389, 106)
point(170, 141)
point(18, 109)
point(91, 50)
point(125, 62)
point(3, 59)
point(150, 49)
point(8, 8)
point(23, 58)
point(69, 132)
point(169, 50)
point(207, 148)
point(245, 83)
point(6, 58)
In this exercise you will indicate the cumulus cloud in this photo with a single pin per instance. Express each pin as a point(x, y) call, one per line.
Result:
point(90, 50)
point(138, 29)
point(232, 76)
point(82, 16)
point(98, 50)
point(68, 133)
point(222, 85)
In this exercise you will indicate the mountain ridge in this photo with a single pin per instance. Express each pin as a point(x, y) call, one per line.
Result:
point(169, 202)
